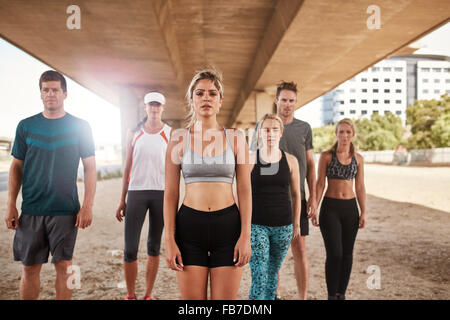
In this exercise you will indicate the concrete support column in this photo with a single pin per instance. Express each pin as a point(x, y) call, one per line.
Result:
point(263, 104)
point(130, 114)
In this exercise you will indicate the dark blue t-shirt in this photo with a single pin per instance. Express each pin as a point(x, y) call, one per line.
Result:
point(51, 150)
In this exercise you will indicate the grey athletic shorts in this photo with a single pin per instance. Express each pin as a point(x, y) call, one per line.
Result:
point(37, 236)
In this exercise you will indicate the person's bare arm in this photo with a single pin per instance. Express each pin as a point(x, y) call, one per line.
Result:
point(14, 184)
point(242, 250)
point(311, 179)
point(361, 190)
point(295, 192)
point(171, 198)
point(120, 212)
point(320, 185)
point(84, 217)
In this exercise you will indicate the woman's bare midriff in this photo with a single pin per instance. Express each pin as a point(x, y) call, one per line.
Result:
point(340, 189)
point(209, 196)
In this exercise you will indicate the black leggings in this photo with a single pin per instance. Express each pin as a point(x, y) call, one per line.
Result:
point(339, 223)
point(138, 203)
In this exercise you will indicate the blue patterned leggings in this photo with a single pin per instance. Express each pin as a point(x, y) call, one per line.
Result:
point(269, 247)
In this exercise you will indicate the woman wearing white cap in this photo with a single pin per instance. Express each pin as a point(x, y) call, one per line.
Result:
point(143, 181)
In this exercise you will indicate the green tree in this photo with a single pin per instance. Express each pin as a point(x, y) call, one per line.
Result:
point(430, 123)
point(323, 138)
point(440, 131)
point(379, 132)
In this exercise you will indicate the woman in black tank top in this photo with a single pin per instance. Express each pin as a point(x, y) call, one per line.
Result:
point(275, 179)
point(339, 217)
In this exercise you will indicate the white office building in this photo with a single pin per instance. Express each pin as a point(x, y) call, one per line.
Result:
point(433, 79)
point(388, 86)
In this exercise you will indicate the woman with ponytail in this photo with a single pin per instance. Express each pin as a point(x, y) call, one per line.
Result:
point(143, 182)
point(339, 218)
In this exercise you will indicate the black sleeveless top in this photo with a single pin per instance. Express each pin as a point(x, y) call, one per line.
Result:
point(271, 192)
point(337, 170)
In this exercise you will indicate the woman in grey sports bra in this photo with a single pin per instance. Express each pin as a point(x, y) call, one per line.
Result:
point(208, 237)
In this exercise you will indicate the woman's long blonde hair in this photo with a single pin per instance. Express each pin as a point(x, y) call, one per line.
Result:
point(210, 73)
point(352, 146)
point(270, 116)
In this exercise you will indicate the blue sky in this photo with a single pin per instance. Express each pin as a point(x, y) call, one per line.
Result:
point(19, 88)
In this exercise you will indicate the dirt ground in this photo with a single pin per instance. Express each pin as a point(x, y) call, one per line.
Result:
point(406, 241)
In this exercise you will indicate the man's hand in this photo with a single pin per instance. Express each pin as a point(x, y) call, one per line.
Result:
point(12, 217)
point(84, 218)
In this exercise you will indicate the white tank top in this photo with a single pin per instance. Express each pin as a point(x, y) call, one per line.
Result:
point(148, 156)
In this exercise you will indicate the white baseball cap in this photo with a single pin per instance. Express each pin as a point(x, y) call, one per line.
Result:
point(154, 96)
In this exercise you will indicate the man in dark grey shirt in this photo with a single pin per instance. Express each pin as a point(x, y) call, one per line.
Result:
point(297, 140)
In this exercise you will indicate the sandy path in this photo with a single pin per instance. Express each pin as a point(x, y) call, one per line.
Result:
point(407, 238)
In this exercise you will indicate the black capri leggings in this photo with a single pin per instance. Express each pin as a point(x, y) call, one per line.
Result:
point(137, 205)
point(339, 223)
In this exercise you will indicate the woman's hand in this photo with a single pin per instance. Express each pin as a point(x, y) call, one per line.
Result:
point(173, 255)
point(314, 220)
point(296, 234)
point(362, 220)
point(242, 251)
point(120, 213)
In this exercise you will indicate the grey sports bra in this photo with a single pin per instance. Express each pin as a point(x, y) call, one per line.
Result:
point(198, 168)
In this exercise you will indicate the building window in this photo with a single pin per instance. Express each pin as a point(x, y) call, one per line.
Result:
point(387, 69)
point(341, 113)
point(447, 91)
point(398, 90)
point(437, 70)
point(341, 102)
point(354, 79)
point(375, 112)
point(447, 80)
point(387, 101)
point(425, 80)
point(386, 111)
point(425, 69)
point(352, 101)
point(375, 79)
point(446, 69)
point(398, 112)
point(398, 69)
point(374, 69)
point(363, 111)
point(375, 90)
point(437, 80)
point(374, 101)
point(352, 111)
point(387, 80)
point(398, 101)
point(364, 101)
point(398, 80)
point(387, 91)
point(363, 90)
point(436, 91)
point(425, 91)
point(352, 90)
point(363, 79)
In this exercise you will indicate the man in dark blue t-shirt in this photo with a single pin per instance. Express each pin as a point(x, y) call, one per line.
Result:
point(47, 151)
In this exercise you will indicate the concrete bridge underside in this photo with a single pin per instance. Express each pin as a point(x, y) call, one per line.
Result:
point(126, 48)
